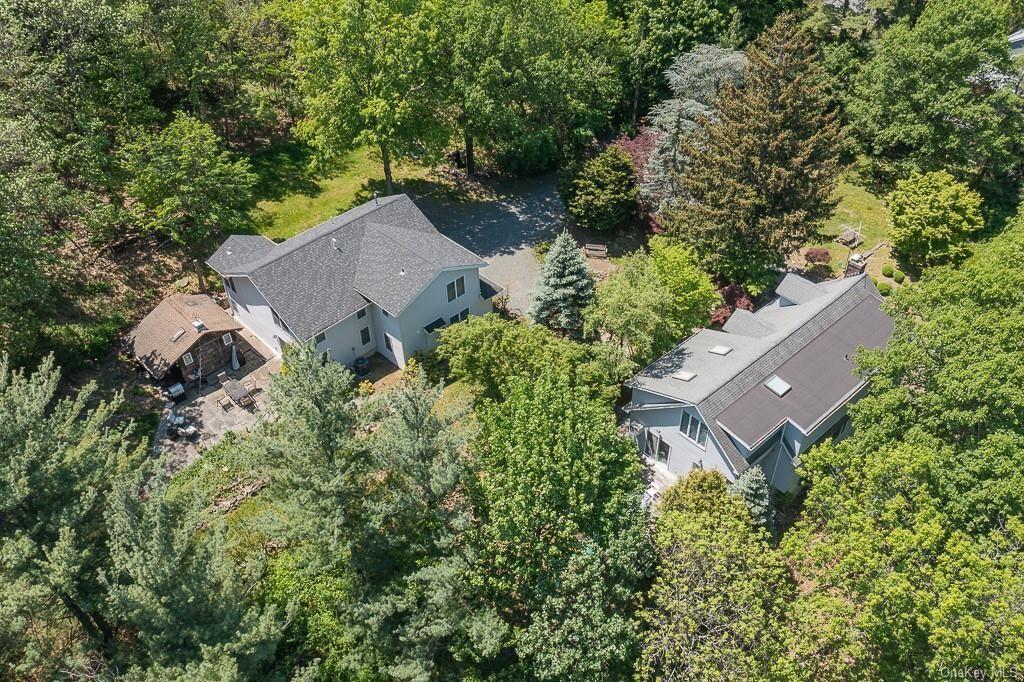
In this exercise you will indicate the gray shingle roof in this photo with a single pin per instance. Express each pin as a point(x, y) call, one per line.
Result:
point(384, 251)
point(721, 380)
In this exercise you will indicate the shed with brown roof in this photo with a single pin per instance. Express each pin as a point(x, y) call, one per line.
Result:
point(191, 333)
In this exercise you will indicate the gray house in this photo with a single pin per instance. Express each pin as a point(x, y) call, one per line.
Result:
point(765, 388)
point(376, 279)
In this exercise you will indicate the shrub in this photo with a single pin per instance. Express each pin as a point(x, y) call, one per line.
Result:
point(531, 153)
point(541, 248)
point(817, 255)
point(932, 218)
point(899, 276)
point(604, 193)
point(884, 288)
point(434, 368)
point(887, 269)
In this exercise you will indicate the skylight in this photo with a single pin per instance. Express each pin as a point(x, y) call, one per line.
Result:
point(684, 375)
point(720, 350)
point(778, 386)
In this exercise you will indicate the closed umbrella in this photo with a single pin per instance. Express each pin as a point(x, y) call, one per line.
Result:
point(234, 357)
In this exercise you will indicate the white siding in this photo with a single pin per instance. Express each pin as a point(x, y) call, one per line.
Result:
point(252, 310)
point(684, 454)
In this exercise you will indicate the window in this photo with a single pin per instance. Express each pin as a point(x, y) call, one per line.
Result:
point(361, 314)
point(651, 443)
point(453, 319)
point(456, 289)
point(227, 339)
point(386, 313)
point(187, 358)
point(464, 314)
point(694, 429)
point(387, 342)
point(320, 338)
point(277, 319)
point(663, 452)
point(364, 335)
point(230, 283)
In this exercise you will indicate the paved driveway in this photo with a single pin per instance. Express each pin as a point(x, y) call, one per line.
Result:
point(503, 231)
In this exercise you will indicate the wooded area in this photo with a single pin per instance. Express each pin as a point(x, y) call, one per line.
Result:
point(482, 519)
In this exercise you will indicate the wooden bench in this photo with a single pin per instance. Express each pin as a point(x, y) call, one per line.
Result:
point(595, 250)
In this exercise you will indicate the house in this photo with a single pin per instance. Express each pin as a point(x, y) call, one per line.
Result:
point(186, 337)
point(765, 388)
point(1016, 40)
point(376, 279)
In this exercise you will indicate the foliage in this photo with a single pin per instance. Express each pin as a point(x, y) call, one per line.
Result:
point(528, 80)
point(489, 353)
point(744, 218)
point(931, 98)
point(884, 288)
point(695, 79)
point(604, 192)
point(564, 288)
point(59, 459)
point(559, 492)
point(652, 301)
point(899, 276)
point(932, 218)
point(734, 297)
point(909, 527)
point(888, 269)
point(753, 488)
point(365, 73)
point(186, 187)
point(818, 255)
point(179, 593)
point(720, 591)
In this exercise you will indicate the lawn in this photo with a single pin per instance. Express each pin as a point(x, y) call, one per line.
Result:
point(292, 197)
point(860, 209)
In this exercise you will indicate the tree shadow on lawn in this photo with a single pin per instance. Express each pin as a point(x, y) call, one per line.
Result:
point(286, 169)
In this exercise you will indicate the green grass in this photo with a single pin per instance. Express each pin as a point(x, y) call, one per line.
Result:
point(292, 198)
point(864, 211)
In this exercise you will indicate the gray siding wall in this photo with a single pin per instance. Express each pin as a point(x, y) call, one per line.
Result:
point(344, 341)
point(252, 310)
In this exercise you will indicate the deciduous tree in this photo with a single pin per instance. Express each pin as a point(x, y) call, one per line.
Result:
point(932, 217)
point(187, 187)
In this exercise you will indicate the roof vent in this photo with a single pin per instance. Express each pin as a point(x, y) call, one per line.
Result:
point(198, 324)
point(334, 243)
point(684, 375)
point(402, 272)
point(177, 334)
point(777, 385)
point(720, 350)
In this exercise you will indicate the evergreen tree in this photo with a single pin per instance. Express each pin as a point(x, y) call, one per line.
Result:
point(716, 606)
point(564, 288)
point(695, 79)
point(174, 586)
point(57, 463)
point(761, 178)
point(753, 488)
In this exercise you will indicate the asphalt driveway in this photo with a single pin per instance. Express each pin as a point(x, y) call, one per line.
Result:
point(503, 231)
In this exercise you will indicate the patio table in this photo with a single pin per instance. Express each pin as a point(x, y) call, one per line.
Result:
point(236, 391)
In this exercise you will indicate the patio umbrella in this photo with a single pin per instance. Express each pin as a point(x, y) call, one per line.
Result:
point(234, 357)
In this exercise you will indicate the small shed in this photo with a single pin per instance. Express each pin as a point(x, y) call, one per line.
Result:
point(186, 338)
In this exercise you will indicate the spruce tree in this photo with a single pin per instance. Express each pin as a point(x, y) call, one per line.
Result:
point(761, 177)
point(564, 288)
point(752, 487)
point(57, 462)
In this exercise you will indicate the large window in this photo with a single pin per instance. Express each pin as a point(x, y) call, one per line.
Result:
point(456, 289)
point(663, 451)
point(277, 319)
point(364, 335)
point(694, 429)
point(231, 283)
point(463, 314)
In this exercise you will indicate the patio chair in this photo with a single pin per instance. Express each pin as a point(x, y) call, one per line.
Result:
point(222, 378)
point(226, 403)
point(249, 385)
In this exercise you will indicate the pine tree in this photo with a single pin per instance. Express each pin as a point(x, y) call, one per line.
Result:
point(564, 288)
point(174, 586)
point(761, 177)
point(57, 462)
point(752, 487)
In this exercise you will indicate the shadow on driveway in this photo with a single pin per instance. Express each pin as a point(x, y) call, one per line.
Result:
point(503, 231)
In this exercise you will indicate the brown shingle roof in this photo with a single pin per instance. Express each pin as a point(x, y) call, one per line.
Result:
point(156, 341)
